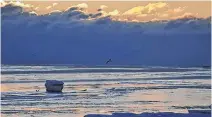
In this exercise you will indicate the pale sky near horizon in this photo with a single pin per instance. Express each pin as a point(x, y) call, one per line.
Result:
point(142, 10)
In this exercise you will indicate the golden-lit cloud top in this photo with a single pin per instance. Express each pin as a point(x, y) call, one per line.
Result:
point(146, 12)
point(148, 9)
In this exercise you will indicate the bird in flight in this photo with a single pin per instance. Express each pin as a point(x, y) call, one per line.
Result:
point(108, 61)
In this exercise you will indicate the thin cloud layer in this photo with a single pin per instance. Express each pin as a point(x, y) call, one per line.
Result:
point(70, 36)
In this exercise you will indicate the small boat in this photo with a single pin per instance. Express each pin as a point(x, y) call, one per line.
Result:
point(54, 86)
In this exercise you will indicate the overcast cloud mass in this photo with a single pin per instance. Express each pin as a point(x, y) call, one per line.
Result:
point(75, 36)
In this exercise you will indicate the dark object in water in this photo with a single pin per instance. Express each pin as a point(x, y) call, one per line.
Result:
point(108, 61)
point(84, 90)
point(54, 86)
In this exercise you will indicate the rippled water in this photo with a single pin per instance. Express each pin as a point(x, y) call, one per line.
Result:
point(103, 90)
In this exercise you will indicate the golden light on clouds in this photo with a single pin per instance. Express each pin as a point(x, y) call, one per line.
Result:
point(126, 10)
point(150, 8)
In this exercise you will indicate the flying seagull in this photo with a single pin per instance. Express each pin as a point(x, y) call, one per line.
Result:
point(108, 61)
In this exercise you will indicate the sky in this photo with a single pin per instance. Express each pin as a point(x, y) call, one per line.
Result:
point(89, 33)
point(130, 11)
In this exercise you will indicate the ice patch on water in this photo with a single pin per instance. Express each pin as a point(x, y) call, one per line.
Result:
point(109, 91)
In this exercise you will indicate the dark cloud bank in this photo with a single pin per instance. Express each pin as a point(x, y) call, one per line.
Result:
point(76, 37)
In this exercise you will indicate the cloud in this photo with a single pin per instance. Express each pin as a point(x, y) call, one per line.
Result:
point(36, 8)
point(97, 15)
point(48, 7)
point(16, 9)
point(142, 15)
point(154, 19)
point(82, 5)
point(113, 13)
point(188, 22)
point(103, 6)
point(54, 4)
point(135, 10)
point(158, 10)
point(51, 6)
point(70, 36)
point(55, 11)
point(76, 12)
point(17, 3)
point(163, 15)
point(179, 9)
point(13, 11)
point(135, 20)
point(101, 11)
point(175, 11)
point(185, 15)
point(148, 9)
point(2, 3)
point(103, 20)
point(33, 12)
point(21, 4)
